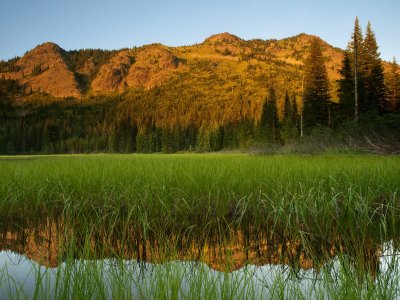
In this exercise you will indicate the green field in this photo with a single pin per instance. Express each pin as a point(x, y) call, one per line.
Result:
point(227, 210)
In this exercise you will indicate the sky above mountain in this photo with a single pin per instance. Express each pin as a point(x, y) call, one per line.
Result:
point(76, 24)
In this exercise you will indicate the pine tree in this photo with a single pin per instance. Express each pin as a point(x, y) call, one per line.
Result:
point(316, 91)
point(269, 121)
point(289, 130)
point(287, 108)
point(358, 60)
point(356, 48)
point(346, 89)
point(131, 138)
point(373, 74)
point(393, 86)
point(295, 114)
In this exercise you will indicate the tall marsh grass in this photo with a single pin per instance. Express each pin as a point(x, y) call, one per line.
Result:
point(272, 209)
point(303, 193)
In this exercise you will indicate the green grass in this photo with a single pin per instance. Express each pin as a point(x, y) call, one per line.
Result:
point(183, 185)
point(170, 205)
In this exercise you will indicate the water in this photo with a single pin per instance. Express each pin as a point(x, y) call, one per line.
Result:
point(52, 262)
point(25, 278)
point(20, 276)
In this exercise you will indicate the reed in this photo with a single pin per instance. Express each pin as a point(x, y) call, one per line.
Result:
point(160, 208)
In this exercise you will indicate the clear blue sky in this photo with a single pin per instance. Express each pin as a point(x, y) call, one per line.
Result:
point(113, 24)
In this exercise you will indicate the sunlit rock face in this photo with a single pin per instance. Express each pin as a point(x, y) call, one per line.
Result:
point(153, 65)
point(146, 68)
point(45, 69)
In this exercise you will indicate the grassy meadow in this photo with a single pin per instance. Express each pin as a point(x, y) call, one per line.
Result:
point(227, 210)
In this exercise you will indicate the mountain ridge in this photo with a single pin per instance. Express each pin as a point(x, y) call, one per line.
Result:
point(153, 65)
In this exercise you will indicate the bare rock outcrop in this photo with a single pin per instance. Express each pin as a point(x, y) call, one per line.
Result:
point(153, 66)
point(44, 69)
point(111, 76)
point(147, 67)
point(88, 68)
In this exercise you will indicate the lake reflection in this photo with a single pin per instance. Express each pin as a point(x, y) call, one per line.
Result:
point(51, 244)
point(19, 275)
point(47, 254)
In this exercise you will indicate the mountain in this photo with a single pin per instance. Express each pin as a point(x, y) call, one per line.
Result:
point(52, 70)
point(147, 67)
point(205, 97)
point(46, 69)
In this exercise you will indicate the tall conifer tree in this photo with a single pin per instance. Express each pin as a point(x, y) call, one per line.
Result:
point(393, 86)
point(269, 118)
point(316, 87)
point(356, 55)
point(346, 89)
point(295, 112)
point(289, 130)
point(373, 74)
point(287, 108)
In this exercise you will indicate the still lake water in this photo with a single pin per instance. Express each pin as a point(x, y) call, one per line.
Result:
point(23, 277)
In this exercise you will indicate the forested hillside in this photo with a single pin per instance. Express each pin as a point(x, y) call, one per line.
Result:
point(224, 93)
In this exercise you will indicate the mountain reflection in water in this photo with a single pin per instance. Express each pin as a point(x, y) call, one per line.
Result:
point(51, 244)
point(19, 275)
point(246, 259)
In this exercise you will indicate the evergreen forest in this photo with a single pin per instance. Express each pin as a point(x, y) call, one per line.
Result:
point(288, 107)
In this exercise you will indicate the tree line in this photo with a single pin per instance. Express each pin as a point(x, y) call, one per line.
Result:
point(136, 122)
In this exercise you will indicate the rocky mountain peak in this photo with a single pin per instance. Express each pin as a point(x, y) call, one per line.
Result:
point(45, 69)
point(224, 37)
